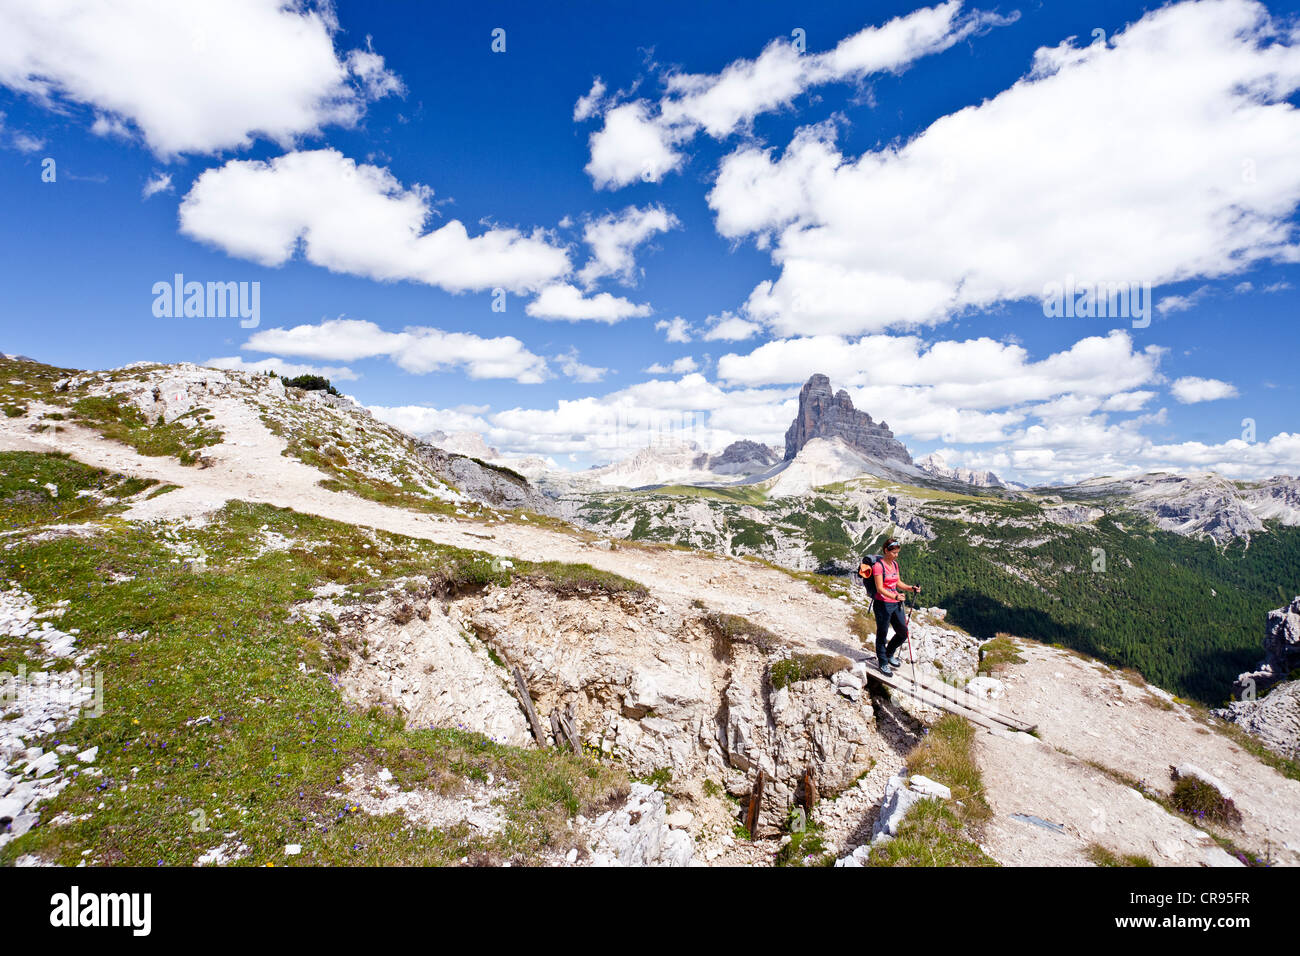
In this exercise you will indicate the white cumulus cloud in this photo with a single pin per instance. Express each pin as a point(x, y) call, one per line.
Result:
point(613, 239)
point(1190, 390)
point(194, 77)
point(644, 139)
point(416, 349)
point(357, 219)
point(567, 303)
point(1133, 159)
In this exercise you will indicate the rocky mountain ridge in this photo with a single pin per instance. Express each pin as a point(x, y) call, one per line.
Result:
point(935, 466)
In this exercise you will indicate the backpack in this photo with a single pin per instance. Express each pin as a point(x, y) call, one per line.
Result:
point(870, 580)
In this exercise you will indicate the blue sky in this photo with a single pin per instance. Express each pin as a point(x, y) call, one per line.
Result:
point(881, 192)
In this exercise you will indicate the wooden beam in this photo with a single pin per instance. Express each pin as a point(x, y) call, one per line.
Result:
point(755, 806)
point(526, 700)
point(809, 792)
point(570, 731)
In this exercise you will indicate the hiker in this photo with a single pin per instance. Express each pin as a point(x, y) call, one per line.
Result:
point(884, 583)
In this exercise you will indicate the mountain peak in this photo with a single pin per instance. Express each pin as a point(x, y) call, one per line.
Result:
point(826, 414)
point(935, 465)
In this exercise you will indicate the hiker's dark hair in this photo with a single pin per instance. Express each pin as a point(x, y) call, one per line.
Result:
point(891, 543)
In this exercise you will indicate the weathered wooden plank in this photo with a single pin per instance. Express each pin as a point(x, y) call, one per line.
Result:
point(809, 792)
point(526, 700)
point(935, 700)
point(755, 805)
point(948, 697)
point(570, 730)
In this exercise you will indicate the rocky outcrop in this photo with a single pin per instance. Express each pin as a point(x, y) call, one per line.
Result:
point(663, 463)
point(418, 659)
point(823, 414)
point(1273, 718)
point(1267, 703)
point(1202, 505)
point(935, 466)
point(484, 482)
point(650, 689)
point(1282, 640)
point(743, 458)
point(470, 444)
point(1281, 651)
point(35, 706)
point(638, 834)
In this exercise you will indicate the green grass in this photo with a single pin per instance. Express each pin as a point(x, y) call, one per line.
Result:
point(660, 778)
point(930, 835)
point(947, 754)
point(806, 846)
point(998, 653)
point(573, 579)
point(863, 626)
point(742, 494)
point(266, 766)
point(182, 438)
point(25, 501)
point(801, 667)
point(942, 832)
point(35, 383)
point(1100, 856)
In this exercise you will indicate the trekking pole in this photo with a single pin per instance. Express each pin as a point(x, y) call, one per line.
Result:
point(910, 657)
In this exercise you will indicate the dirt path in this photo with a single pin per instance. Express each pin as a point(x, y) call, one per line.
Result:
point(249, 466)
point(1088, 714)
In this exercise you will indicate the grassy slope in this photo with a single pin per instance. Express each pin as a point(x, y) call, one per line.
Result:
point(219, 644)
point(22, 383)
point(940, 832)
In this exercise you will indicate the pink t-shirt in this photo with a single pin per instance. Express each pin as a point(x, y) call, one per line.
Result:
point(888, 574)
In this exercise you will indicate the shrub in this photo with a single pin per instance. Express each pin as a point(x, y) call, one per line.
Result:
point(998, 653)
point(1200, 800)
point(729, 628)
point(799, 667)
point(311, 383)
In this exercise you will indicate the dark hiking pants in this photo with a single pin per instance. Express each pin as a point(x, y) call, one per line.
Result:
point(887, 613)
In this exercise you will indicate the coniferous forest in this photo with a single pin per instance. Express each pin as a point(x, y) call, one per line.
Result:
point(1187, 614)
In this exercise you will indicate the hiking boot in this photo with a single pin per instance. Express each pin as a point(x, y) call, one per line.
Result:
point(895, 660)
point(885, 668)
